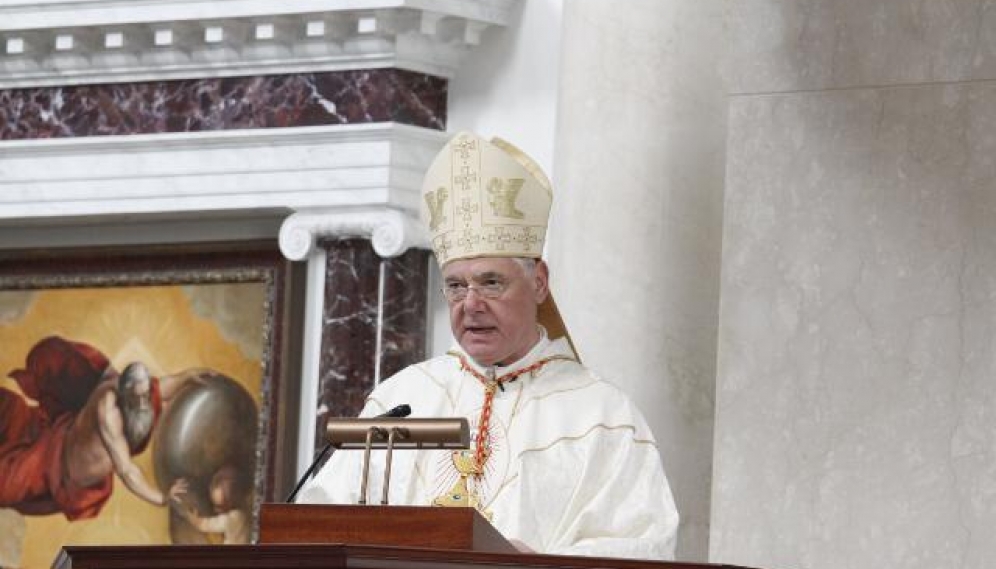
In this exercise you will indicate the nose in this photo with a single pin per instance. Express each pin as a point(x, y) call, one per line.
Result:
point(473, 302)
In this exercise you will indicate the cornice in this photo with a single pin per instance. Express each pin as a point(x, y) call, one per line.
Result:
point(49, 42)
point(193, 175)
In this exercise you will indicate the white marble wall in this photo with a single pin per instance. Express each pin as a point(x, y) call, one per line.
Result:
point(792, 45)
point(635, 230)
point(507, 87)
point(855, 416)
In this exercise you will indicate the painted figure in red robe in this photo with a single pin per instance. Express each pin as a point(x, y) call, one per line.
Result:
point(61, 454)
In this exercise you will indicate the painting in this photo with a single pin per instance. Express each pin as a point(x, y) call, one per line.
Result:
point(138, 398)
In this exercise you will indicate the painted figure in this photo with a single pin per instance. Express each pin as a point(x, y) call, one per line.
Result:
point(204, 452)
point(61, 454)
point(230, 517)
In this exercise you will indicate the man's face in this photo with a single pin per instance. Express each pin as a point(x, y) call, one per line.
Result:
point(135, 402)
point(138, 394)
point(496, 330)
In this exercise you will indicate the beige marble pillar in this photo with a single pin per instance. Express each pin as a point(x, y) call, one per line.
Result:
point(635, 234)
point(856, 399)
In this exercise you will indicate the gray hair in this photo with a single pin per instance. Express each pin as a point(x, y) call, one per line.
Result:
point(528, 265)
point(133, 373)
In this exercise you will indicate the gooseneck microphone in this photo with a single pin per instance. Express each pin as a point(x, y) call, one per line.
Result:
point(402, 410)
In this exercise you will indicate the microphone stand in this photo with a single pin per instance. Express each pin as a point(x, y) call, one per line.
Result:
point(400, 411)
point(307, 474)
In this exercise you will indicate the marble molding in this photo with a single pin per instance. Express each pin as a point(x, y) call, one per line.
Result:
point(373, 323)
point(310, 99)
point(821, 44)
point(118, 41)
point(856, 407)
point(345, 169)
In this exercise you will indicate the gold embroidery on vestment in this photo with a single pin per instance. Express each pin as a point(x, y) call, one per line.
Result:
point(540, 396)
point(503, 195)
point(435, 200)
point(463, 493)
point(588, 432)
point(466, 489)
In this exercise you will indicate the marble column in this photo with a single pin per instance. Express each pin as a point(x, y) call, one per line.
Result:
point(373, 324)
point(855, 416)
point(634, 241)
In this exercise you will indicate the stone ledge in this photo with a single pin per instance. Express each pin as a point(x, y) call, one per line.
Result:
point(216, 173)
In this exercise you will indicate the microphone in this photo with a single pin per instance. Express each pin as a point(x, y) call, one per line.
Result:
point(402, 410)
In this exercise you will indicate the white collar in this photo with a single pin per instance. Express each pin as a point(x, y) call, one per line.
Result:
point(538, 350)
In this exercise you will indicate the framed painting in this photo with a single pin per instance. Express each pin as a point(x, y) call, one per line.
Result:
point(140, 396)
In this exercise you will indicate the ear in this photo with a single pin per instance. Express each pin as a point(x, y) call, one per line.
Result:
point(541, 281)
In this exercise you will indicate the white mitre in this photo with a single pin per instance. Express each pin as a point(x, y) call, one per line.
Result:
point(485, 199)
point(488, 199)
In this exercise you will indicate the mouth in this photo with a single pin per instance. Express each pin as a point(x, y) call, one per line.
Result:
point(479, 331)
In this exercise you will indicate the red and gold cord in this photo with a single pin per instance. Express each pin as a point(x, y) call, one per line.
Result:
point(491, 384)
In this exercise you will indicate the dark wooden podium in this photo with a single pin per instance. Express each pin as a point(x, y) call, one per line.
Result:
point(461, 529)
point(361, 537)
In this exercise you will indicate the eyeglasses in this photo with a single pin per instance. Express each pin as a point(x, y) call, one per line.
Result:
point(457, 292)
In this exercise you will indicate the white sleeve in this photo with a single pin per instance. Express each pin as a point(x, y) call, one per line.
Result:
point(602, 495)
point(336, 483)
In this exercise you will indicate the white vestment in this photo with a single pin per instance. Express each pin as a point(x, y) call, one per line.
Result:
point(573, 468)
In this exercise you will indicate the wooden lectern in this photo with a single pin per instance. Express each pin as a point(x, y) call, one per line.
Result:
point(371, 537)
point(400, 526)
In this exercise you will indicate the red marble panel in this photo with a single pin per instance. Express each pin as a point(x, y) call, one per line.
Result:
point(350, 327)
point(307, 99)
